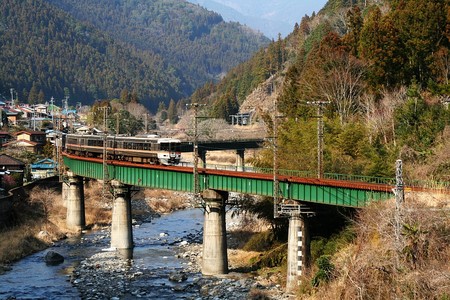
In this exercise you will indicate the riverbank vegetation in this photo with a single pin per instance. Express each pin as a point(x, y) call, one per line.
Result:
point(376, 264)
point(364, 258)
point(39, 219)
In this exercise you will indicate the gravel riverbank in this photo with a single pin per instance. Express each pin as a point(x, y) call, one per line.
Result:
point(106, 275)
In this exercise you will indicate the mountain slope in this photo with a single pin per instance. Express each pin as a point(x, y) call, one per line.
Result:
point(195, 42)
point(46, 52)
point(381, 73)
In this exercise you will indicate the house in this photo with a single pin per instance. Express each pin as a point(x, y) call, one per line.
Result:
point(83, 130)
point(11, 172)
point(12, 115)
point(43, 168)
point(31, 141)
point(32, 136)
point(27, 112)
point(25, 145)
point(41, 109)
point(11, 164)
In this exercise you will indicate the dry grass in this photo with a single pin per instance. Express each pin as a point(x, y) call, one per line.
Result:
point(256, 294)
point(41, 220)
point(33, 231)
point(377, 266)
point(19, 242)
point(162, 201)
point(240, 259)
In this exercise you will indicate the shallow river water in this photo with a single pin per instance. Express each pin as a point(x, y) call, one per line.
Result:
point(154, 250)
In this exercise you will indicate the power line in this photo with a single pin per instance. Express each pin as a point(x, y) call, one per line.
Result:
point(195, 142)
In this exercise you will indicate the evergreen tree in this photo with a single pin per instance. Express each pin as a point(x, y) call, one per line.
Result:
point(33, 94)
point(172, 112)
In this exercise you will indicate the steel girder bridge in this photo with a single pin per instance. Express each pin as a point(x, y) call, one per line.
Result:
point(335, 192)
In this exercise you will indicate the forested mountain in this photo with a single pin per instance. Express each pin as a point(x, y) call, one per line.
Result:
point(383, 68)
point(160, 50)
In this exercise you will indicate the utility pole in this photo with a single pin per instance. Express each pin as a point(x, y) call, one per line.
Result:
point(320, 105)
point(12, 97)
point(117, 123)
point(399, 199)
point(276, 183)
point(195, 169)
point(51, 103)
point(105, 110)
point(146, 123)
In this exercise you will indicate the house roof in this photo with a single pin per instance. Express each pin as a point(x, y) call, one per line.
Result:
point(45, 163)
point(6, 160)
point(21, 143)
point(83, 128)
point(30, 132)
point(11, 112)
point(26, 109)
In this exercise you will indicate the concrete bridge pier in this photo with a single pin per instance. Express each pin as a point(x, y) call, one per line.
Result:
point(73, 194)
point(240, 159)
point(121, 229)
point(215, 259)
point(298, 255)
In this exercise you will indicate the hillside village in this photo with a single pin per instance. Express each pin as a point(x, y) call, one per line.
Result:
point(27, 133)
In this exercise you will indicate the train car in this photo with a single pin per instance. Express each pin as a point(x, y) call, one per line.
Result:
point(143, 149)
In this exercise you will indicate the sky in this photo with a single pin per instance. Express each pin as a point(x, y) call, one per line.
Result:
point(268, 16)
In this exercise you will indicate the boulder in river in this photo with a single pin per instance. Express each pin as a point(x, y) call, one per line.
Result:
point(53, 258)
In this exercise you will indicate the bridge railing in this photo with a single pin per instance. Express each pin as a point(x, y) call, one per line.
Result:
point(431, 184)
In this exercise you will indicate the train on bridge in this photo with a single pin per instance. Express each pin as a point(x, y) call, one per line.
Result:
point(141, 149)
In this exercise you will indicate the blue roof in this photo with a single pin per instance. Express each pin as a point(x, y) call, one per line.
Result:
point(45, 163)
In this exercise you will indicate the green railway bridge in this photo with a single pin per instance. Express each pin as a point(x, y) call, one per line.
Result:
point(298, 197)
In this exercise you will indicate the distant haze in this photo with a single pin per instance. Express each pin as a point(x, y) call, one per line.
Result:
point(271, 17)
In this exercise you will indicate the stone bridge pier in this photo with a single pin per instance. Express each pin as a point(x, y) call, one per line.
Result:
point(215, 259)
point(73, 195)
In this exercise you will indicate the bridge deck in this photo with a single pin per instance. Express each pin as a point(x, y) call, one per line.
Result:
point(324, 191)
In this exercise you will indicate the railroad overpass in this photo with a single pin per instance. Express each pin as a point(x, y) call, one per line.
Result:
point(299, 196)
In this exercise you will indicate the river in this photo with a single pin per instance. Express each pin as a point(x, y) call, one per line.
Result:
point(154, 251)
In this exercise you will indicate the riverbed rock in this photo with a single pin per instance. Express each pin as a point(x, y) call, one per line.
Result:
point(53, 258)
point(4, 268)
point(178, 276)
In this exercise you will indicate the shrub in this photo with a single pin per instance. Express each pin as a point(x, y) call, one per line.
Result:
point(326, 268)
point(260, 241)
